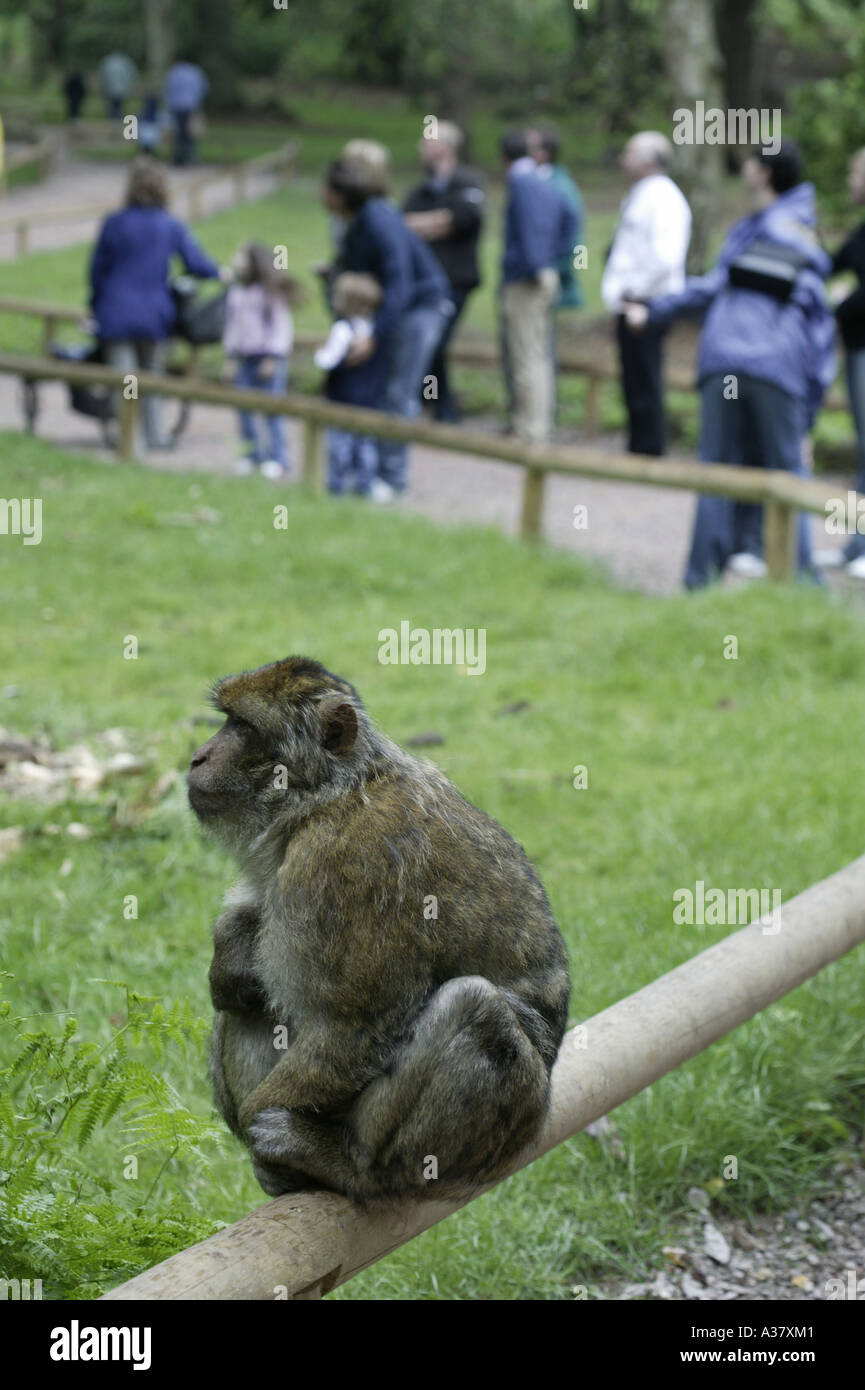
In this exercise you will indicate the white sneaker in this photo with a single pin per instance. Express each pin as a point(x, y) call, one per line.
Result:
point(829, 559)
point(244, 467)
point(381, 492)
point(856, 568)
point(747, 566)
point(273, 470)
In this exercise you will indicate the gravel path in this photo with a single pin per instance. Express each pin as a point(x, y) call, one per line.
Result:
point(640, 535)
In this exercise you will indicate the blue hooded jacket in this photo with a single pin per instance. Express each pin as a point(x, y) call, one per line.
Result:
point(378, 243)
point(788, 343)
point(130, 295)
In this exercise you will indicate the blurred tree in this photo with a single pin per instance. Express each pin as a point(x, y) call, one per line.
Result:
point(159, 32)
point(738, 38)
point(826, 115)
point(694, 70)
point(617, 55)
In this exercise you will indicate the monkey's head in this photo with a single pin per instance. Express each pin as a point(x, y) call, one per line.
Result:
point(292, 731)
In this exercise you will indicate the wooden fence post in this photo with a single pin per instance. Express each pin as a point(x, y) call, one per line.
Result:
point(49, 327)
point(780, 536)
point(313, 454)
point(129, 408)
point(22, 238)
point(194, 202)
point(533, 503)
point(238, 176)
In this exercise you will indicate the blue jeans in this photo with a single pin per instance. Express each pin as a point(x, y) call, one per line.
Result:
point(254, 428)
point(410, 353)
point(763, 428)
point(855, 366)
point(352, 461)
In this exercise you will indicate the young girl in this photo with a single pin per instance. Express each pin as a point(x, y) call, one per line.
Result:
point(258, 335)
point(352, 459)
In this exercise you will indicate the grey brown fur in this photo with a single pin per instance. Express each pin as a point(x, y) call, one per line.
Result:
point(357, 1038)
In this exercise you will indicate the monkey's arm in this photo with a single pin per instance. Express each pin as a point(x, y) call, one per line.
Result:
point(234, 985)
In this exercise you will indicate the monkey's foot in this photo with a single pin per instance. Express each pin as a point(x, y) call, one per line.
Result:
point(271, 1133)
point(285, 1138)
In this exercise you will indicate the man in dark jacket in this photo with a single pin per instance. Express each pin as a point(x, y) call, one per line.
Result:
point(447, 211)
point(540, 228)
point(415, 303)
point(850, 315)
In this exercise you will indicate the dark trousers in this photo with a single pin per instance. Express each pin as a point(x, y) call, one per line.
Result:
point(184, 145)
point(643, 385)
point(762, 428)
point(446, 406)
point(855, 366)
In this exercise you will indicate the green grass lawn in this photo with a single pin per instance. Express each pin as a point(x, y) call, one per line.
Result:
point(737, 772)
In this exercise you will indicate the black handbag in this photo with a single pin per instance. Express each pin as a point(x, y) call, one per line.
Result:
point(768, 268)
point(200, 320)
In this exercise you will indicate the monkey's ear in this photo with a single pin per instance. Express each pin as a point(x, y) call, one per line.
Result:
point(338, 727)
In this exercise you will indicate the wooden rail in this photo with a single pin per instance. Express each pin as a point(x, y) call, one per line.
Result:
point(44, 152)
point(463, 351)
point(781, 493)
point(303, 1246)
point(192, 192)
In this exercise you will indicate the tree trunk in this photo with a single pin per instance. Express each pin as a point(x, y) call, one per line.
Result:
point(694, 69)
point(159, 41)
point(738, 40)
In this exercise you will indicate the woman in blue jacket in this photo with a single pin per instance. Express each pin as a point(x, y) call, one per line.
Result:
point(415, 304)
point(765, 359)
point(130, 298)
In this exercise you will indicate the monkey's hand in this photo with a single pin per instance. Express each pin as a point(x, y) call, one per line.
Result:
point(234, 984)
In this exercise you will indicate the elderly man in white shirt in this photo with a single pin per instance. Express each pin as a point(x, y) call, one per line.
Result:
point(647, 258)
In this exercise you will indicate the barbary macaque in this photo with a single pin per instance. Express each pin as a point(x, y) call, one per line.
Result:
point(390, 986)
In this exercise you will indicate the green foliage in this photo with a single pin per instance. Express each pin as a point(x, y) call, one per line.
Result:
point(64, 1220)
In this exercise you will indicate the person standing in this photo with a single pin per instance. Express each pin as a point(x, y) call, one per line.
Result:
point(117, 76)
point(540, 228)
point(766, 355)
point(414, 307)
point(257, 342)
point(352, 459)
point(74, 90)
point(647, 259)
point(850, 316)
point(545, 148)
point(185, 89)
point(447, 211)
point(130, 298)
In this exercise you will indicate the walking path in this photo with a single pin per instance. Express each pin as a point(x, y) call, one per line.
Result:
point(639, 534)
point(78, 182)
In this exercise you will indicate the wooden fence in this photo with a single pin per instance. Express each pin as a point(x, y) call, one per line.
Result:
point(781, 493)
point(572, 361)
point(282, 159)
point(304, 1245)
point(44, 152)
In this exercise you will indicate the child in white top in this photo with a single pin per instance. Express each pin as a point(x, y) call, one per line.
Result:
point(352, 459)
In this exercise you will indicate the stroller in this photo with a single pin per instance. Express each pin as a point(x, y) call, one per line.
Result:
point(199, 322)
